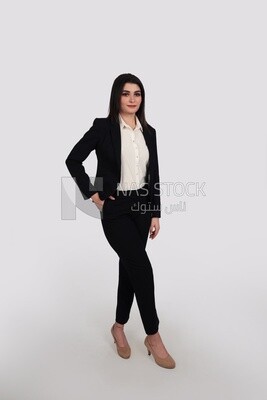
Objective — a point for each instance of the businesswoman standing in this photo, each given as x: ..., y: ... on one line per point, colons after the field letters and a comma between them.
x: 126, y: 192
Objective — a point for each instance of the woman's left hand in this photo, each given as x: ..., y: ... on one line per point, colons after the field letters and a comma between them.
x: 154, y: 228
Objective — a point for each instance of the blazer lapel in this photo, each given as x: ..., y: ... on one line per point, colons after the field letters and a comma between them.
x: 116, y: 140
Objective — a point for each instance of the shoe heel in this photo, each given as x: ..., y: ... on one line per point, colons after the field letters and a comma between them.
x: 167, y: 362
x: 148, y: 351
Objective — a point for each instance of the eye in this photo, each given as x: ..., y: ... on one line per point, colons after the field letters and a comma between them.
x: 138, y: 94
x: 125, y: 94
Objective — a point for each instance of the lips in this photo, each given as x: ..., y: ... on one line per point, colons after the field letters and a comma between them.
x: 131, y: 106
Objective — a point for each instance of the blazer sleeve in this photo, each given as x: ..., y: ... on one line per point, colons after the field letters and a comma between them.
x: 78, y: 154
x: 156, y: 187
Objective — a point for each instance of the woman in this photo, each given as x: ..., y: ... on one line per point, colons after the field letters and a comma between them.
x: 126, y: 192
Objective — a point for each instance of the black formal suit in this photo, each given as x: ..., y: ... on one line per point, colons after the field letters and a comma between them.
x: 105, y: 138
x: 125, y: 228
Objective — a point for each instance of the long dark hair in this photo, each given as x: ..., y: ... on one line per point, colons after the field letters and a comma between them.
x: 115, y: 98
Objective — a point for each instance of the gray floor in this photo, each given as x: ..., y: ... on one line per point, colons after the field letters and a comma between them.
x: 56, y: 318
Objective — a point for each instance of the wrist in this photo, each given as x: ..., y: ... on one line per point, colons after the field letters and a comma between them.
x: 95, y: 198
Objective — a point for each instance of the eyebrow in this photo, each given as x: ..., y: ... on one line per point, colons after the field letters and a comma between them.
x: 128, y: 91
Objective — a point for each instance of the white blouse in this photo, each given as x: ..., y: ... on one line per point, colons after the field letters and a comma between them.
x: 134, y: 156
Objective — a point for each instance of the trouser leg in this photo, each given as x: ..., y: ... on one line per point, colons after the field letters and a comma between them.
x: 124, y: 234
x: 125, y: 295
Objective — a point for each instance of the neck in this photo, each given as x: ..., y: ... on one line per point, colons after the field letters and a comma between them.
x: 129, y: 118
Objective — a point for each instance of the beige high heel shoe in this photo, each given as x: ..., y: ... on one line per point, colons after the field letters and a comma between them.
x: 166, y: 362
x: 123, y: 351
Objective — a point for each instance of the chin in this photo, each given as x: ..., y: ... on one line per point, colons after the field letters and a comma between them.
x: 130, y: 111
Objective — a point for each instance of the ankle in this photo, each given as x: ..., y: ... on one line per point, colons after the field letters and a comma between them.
x: 117, y: 325
x: 155, y: 338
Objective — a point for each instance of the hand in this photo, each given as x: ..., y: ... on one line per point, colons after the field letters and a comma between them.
x: 154, y: 227
x: 98, y: 202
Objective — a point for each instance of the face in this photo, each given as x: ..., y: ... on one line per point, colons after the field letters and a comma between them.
x: 131, y: 98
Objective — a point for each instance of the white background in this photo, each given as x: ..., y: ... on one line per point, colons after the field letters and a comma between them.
x: 203, y: 65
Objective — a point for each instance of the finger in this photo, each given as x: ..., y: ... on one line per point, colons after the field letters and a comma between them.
x: 152, y: 231
x: 154, y: 234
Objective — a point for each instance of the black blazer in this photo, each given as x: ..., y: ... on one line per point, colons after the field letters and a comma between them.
x: 105, y: 138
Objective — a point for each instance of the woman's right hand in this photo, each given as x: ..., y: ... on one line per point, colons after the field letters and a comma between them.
x: 98, y: 202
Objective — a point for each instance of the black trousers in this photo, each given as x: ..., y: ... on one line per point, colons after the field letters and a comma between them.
x: 126, y: 221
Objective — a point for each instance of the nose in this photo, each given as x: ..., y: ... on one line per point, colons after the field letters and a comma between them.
x: 132, y: 98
